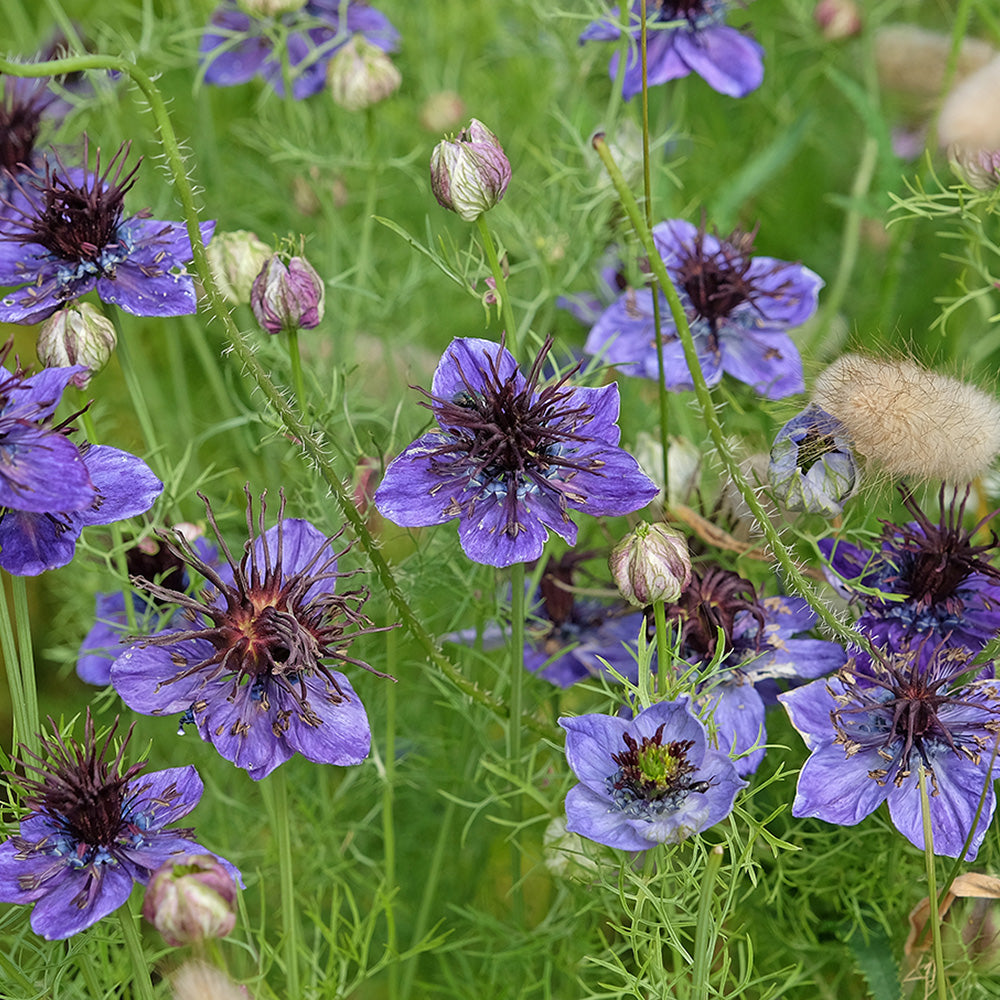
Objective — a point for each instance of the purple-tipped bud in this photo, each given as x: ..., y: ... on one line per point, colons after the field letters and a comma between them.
x: 287, y: 297
x: 651, y: 564
x: 812, y: 466
x: 80, y: 334
x: 236, y: 258
x: 837, y: 19
x: 979, y: 168
x: 361, y: 74
x: 191, y: 899
x: 470, y: 173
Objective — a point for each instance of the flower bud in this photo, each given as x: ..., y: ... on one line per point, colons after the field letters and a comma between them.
x: 651, y: 564
x: 190, y: 899
x: 470, y: 173
x: 361, y: 74
x: 287, y: 297
x: 837, y: 19
x: 812, y: 466
x: 80, y: 334
x: 979, y: 168
x: 442, y: 111
x: 236, y: 259
x: 271, y: 8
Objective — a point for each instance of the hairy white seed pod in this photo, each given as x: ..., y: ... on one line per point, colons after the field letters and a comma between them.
x: 911, y: 421
x: 913, y: 60
x: 970, y: 115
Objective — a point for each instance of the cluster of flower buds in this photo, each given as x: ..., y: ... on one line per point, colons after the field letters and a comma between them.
x: 470, y: 173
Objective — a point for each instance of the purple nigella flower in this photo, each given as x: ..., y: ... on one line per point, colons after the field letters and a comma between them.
x: 870, y: 728
x: 684, y: 36
x: 573, y: 639
x: 49, y: 488
x: 511, y: 457
x: 249, y: 671
x: 758, y: 647
x: 937, y: 583
x: 25, y: 106
x: 69, y: 237
x: 236, y: 46
x: 95, y: 828
x: 651, y: 780
x: 739, y: 308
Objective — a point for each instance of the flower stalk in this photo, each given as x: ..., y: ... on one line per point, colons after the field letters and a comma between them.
x: 778, y: 549
x: 133, y: 945
x: 935, y: 912
x: 15, y: 644
x: 506, y: 309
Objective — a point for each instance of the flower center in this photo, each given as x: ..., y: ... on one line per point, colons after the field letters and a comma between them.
x: 813, y: 446
x: 653, y: 774
x: 716, y: 281
x: 690, y: 10
x: 711, y: 602
x: 77, y: 222
x: 934, y: 560
x: 20, y: 123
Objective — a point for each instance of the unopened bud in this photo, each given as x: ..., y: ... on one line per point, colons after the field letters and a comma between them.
x: 470, y: 173
x: 287, y: 297
x: 651, y: 564
x: 236, y: 259
x: 837, y: 19
x: 812, y: 467
x: 271, y: 8
x: 189, y: 899
x: 361, y: 74
x: 442, y: 111
x: 979, y: 168
x: 78, y: 335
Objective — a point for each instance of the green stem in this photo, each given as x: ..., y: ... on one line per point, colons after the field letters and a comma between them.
x: 297, y: 380
x: 934, y: 914
x: 135, y: 390
x: 664, y: 667
x: 514, y: 725
x: 704, y: 934
x: 388, y: 824
x: 276, y: 798
x: 780, y: 552
x: 647, y: 187
x: 141, y: 980
x: 506, y: 307
x: 26, y: 660
x: 312, y: 447
x: 24, y: 708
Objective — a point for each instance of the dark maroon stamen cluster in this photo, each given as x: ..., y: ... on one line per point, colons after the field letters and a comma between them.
x: 263, y: 626
x: 509, y: 439
x: 935, y: 559
x: 668, y: 774
x: 78, y: 786
x: 907, y: 690
x: 674, y: 10
x: 74, y: 222
x: 712, y: 600
x: 20, y: 122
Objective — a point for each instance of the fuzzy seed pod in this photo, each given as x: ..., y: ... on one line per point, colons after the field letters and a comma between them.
x: 911, y: 421
x: 970, y: 115
x: 913, y: 61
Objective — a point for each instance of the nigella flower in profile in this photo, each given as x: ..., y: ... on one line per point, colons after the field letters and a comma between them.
x: 95, y: 828
x: 741, y: 645
x: 26, y: 106
x: 651, y: 780
x: 739, y: 307
x: 70, y: 236
x: 684, y: 36
x: 49, y: 488
x: 111, y: 634
x: 572, y: 638
x: 511, y: 457
x: 926, y: 580
x: 872, y: 726
x: 236, y: 45
x: 812, y: 467
x: 249, y: 671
